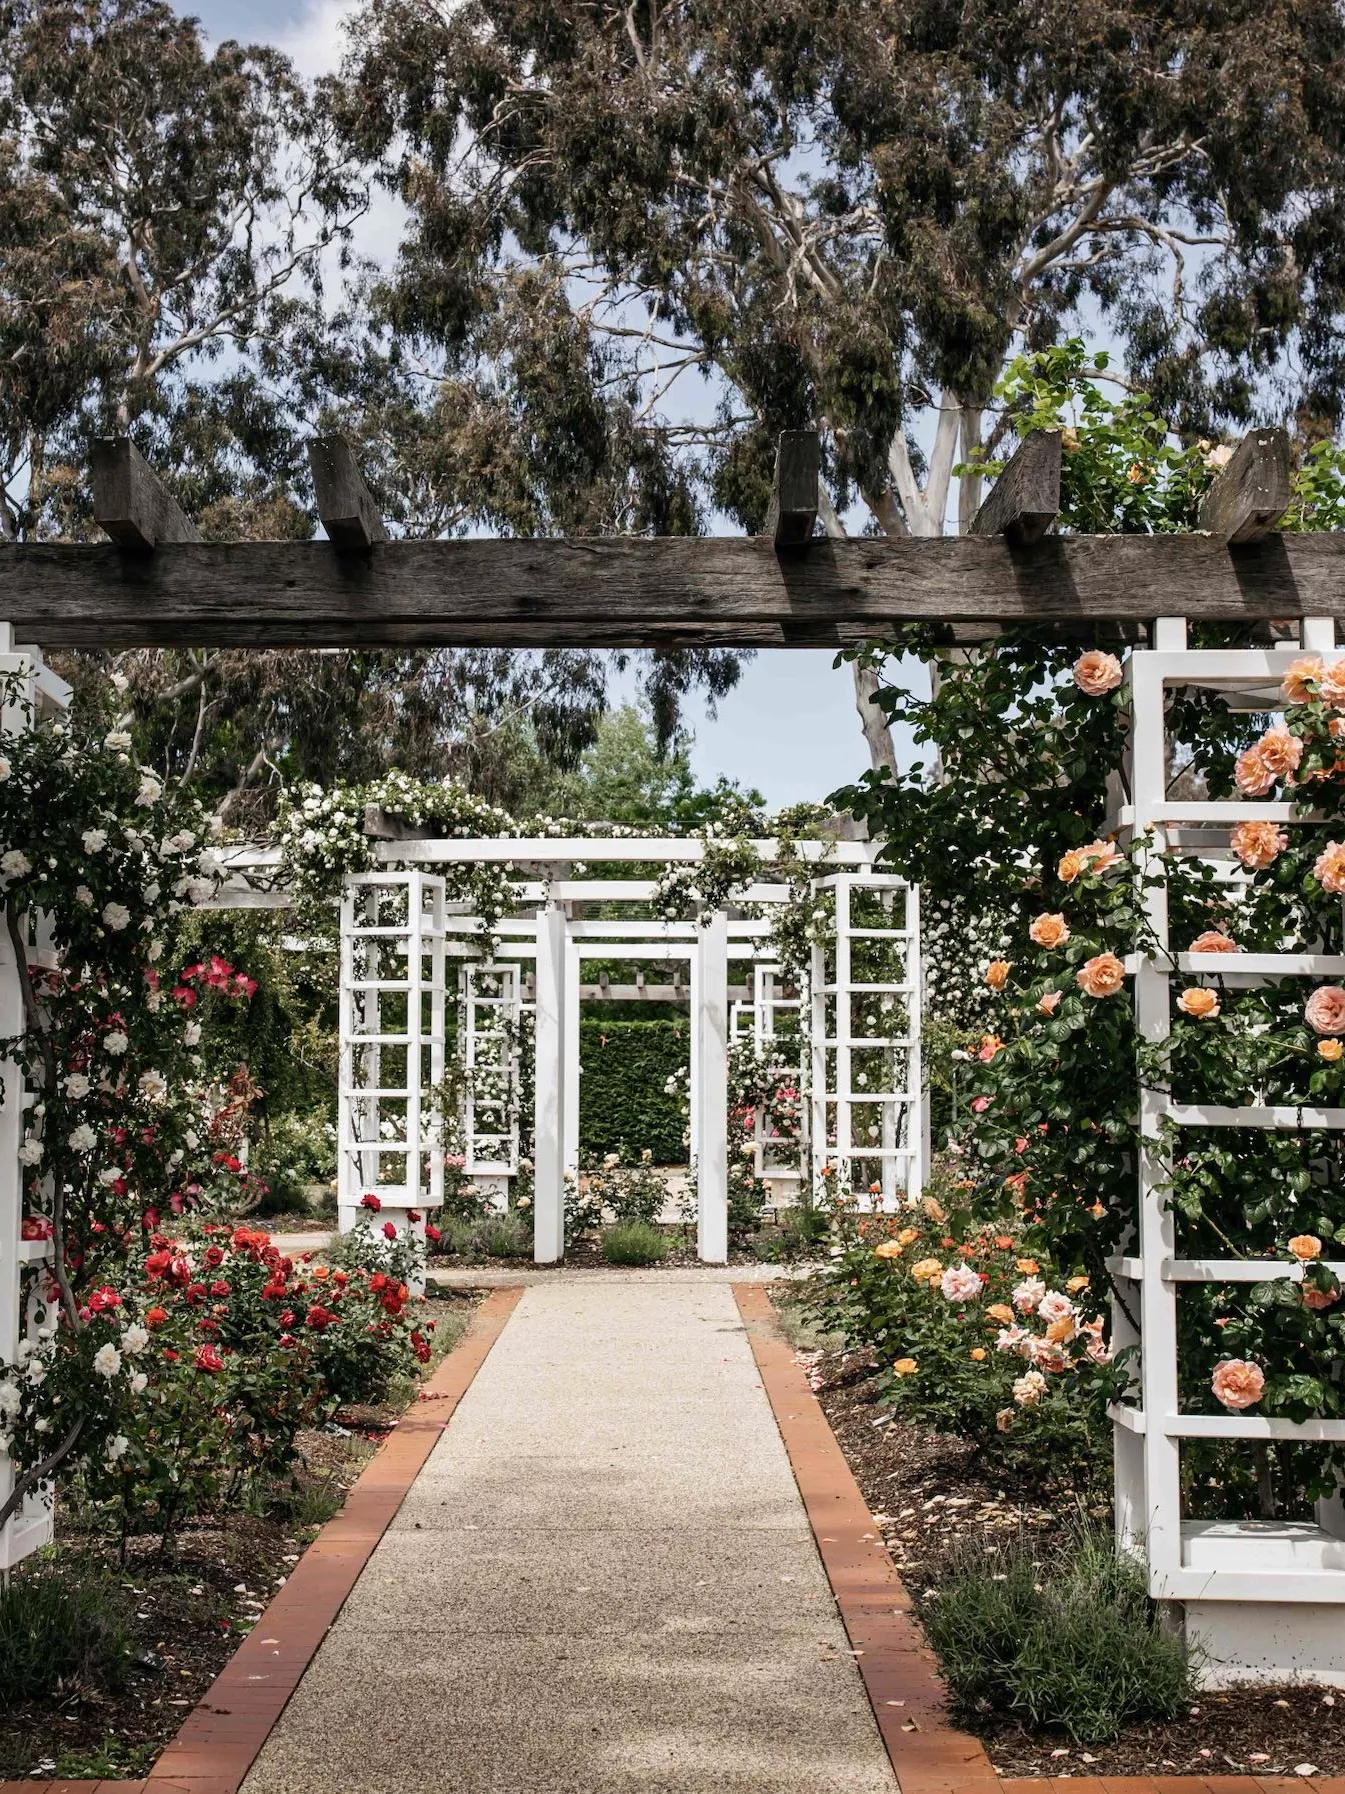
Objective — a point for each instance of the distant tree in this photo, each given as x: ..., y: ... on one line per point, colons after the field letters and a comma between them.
x: 850, y: 215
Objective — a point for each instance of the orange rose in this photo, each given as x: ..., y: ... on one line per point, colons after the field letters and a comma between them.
x: 1061, y: 1331
x: 1294, y: 688
x: 907, y: 1235
x: 1072, y: 865
x: 1237, y: 1383
x: 997, y: 974
x: 1280, y: 751
x: 1096, y: 673
x: 1305, y: 1246
x: 1075, y: 1284
x: 1198, y: 1002
x: 1330, y: 1050
x: 1214, y: 940
x: 905, y: 1367
x: 1000, y: 1311
x: 1049, y: 1002
x: 1049, y: 931
x: 1251, y: 775
x: 1102, y: 976
x: 1324, y: 1011
x: 1258, y: 844
x: 1329, y: 869
x: 934, y: 1210
x: 1028, y: 1266
x: 1004, y: 1242
x: 978, y: 1352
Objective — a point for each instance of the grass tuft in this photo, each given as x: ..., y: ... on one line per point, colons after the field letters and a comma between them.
x: 57, y: 1629
x: 1071, y: 1641
x: 633, y: 1243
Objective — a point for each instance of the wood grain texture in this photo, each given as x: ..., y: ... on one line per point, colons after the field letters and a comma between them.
x: 1252, y: 493
x: 798, y: 468
x: 130, y: 502
x: 625, y: 591
x: 345, y: 504
x: 1025, y: 500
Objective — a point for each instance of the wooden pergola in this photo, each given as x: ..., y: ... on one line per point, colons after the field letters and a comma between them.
x: 156, y: 584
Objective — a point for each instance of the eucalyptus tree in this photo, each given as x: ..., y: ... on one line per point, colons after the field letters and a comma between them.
x: 849, y: 216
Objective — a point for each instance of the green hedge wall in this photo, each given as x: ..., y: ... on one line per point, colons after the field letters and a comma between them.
x: 622, y: 1105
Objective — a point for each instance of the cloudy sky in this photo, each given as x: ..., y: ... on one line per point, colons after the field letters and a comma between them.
x: 790, y: 729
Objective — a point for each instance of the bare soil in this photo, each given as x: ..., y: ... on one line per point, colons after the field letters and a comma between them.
x: 928, y: 1492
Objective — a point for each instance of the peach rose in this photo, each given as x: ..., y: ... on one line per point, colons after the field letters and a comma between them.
x: 1302, y: 672
x: 997, y: 974
x: 1198, y: 1002
x: 888, y: 1249
x: 927, y: 1270
x: 1251, y: 775
x: 1237, y: 1383
x: 1102, y: 976
x: 990, y: 1045
x: 1000, y: 1311
x: 1330, y: 1050
x: 1280, y: 751
x: 1049, y: 931
x: 1258, y: 844
x: 1049, y: 1002
x: 978, y: 1352
x: 1072, y: 865
x: 1305, y: 1246
x: 1101, y: 855
x: 1332, y: 686
x: 1318, y: 1299
x: 1061, y: 1331
x: 1214, y: 940
x: 905, y: 1367
x: 1324, y: 1011
x: 1329, y: 868
x: 1096, y: 673
x: 908, y: 1236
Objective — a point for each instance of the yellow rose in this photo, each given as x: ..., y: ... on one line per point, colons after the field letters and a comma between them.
x: 1330, y: 1050
x: 905, y: 1367
x: 927, y: 1270
x: 978, y: 1352
x: 888, y: 1249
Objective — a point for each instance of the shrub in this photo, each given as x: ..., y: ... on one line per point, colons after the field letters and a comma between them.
x: 501, y: 1236
x: 1070, y: 1641
x: 54, y: 1628
x: 633, y: 1243
x: 624, y: 1105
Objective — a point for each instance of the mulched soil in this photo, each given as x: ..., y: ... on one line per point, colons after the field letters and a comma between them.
x: 586, y: 1254
x: 184, y: 1616
x: 927, y: 1492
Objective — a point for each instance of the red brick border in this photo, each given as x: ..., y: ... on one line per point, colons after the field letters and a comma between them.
x: 221, y: 1737
x: 928, y: 1755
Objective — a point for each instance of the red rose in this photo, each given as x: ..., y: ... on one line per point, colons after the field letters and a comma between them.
x: 432, y: 1232
x: 155, y: 1317
x: 371, y: 1202
x: 413, y: 1214
x: 214, y: 1255
x: 318, y: 1317
x: 389, y: 1230
x: 219, y: 1287
x: 170, y: 1354
x: 207, y: 1358
x: 103, y: 1299
x: 287, y: 1318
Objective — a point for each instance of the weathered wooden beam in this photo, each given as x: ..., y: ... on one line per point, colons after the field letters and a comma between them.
x: 130, y: 502
x: 1025, y: 500
x: 1251, y: 493
x: 624, y: 591
x: 345, y: 504
x: 798, y: 468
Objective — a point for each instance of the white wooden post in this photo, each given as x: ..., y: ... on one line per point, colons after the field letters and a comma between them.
x: 712, y: 1133
x: 549, y: 1085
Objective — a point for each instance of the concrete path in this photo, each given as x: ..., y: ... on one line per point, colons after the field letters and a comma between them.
x: 602, y: 1582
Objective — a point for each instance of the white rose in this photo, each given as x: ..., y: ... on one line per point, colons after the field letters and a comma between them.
x: 191, y: 1034
x: 82, y: 1139
x: 116, y: 916
x: 139, y: 1383
x: 107, y: 1361
x: 117, y: 740
x: 150, y: 789
x: 115, y: 1042
x: 116, y: 1448
x: 153, y: 1086
x: 94, y: 839
x: 30, y: 1153
x: 15, y: 864
x: 108, y: 1177
x: 76, y: 1085
x: 152, y: 892
x: 10, y: 1400
x: 119, y: 680
x: 154, y: 1001
x: 84, y: 895
x: 134, y: 1339
x: 37, y: 1372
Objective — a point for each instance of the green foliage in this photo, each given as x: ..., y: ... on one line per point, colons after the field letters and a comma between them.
x: 624, y: 1106
x: 633, y: 1243
x: 1069, y: 1641
x: 296, y: 1152
x: 59, y: 1628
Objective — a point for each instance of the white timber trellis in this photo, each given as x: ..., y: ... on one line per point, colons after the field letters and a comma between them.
x: 409, y: 959
x: 1264, y: 1600
x: 27, y: 1295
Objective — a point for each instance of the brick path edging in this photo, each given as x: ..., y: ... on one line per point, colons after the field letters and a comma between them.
x: 223, y: 1734
x: 901, y: 1676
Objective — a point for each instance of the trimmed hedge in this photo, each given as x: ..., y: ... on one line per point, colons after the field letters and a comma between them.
x: 622, y: 1104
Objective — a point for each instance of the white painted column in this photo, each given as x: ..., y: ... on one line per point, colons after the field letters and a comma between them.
x: 712, y: 1132
x: 549, y: 1086
x: 570, y: 1059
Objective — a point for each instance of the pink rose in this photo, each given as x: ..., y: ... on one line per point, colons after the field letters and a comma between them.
x: 960, y: 1283
x: 1324, y: 1011
x: 1096, y: 673
x: 1049, y: 1002
x: 1237, y: 1383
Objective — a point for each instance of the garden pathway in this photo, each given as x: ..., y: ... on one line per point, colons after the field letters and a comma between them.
x: 603, y: 1580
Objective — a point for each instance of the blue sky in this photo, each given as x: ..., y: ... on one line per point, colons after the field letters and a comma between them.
x: 790, y: 727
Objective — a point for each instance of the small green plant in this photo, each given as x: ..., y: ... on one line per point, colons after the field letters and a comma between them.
x: 501, y: 1236
x: 58, y: 1627
x: 633, y: 1243
x: 1070, y: 1641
